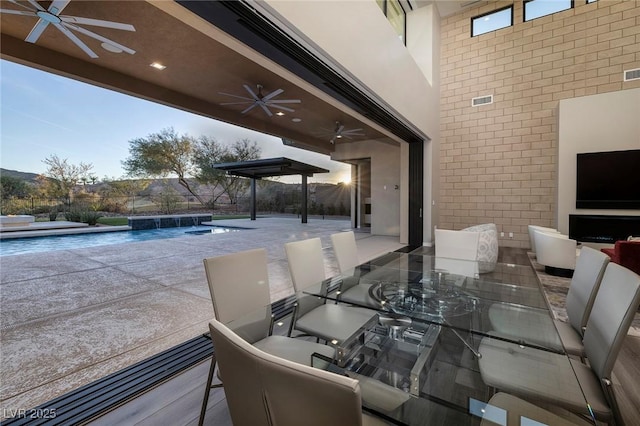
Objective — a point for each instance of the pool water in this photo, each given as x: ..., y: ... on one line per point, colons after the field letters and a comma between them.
x: 66, y: 242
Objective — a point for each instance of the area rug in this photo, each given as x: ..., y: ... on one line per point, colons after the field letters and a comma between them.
x: 556, y: 289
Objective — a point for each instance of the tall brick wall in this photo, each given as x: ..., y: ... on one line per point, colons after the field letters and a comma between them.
x: 499, y: 161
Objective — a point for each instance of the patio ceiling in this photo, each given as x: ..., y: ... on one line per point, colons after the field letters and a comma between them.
x: 201, y: 62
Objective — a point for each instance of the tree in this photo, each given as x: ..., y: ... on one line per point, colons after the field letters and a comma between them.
x: 242, y: 150
x: 61, y: 178
x: 162, y: 154
x: 13, y: 187
x: 127, y: 188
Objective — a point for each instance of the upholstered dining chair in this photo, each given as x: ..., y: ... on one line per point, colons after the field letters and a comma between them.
x: 264, y: 390
x: 351, y: 289
x: 332, y: 322
x: 239, y: 287
x: 590, y: 267
x: 545, y: 376
x: 508, y: 410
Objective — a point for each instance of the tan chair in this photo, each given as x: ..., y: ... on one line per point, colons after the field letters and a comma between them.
x: 346, y: 250
x: 507, y: 410
x: 336, y: 323
x: 239, y: 286
x: 524, y: 324
x: 544, y: 376
x: 263, y: 389
x: 351, y: 289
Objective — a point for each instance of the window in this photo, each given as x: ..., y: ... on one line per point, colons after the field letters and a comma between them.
x: 534, y: 9
x: 492, y: 21
x: 396, y: 16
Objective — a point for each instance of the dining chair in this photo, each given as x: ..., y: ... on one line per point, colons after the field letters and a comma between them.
x: 352, y: 290
x: 239, y: 287
x: 263, y: 389
x: 519, y: 322
x: 551, y: 377
x: 508, y: 410
x: 337, y: 323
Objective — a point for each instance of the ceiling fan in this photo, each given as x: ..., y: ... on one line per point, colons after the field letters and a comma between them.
x: 340, y: 132
x: 65, y: 24
x: 263, y: 101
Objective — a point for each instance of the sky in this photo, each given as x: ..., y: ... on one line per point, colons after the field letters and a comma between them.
x: 42, y: 114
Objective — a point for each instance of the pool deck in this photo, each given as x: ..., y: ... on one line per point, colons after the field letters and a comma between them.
x: 70, y: 317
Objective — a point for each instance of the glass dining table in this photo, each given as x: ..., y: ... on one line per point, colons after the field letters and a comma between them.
x: 418, y: 362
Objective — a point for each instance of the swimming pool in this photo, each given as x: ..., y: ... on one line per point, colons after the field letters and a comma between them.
x: 65, y: 242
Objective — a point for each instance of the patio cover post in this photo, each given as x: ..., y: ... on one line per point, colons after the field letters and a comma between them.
x: 304, y: 198
x: 253, y: 198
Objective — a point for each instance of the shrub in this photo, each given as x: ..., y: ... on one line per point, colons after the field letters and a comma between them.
x: 90, y: 217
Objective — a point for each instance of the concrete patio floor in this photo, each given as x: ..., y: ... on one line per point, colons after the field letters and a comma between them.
x: 70, y: 317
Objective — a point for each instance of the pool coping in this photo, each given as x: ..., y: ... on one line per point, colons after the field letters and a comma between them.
x: 44, y: 232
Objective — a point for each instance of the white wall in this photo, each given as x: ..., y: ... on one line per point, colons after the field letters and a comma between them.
x: 385, y: 175
x: 357, y: 37
x: 604, y: 122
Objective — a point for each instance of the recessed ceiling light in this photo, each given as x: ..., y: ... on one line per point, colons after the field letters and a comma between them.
x: 280, y: 113
x: 296, y: 120
x: 158, y: 66
x: 111, y: 48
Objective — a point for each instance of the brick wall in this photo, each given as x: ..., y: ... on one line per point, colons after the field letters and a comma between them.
x: 498, y: 161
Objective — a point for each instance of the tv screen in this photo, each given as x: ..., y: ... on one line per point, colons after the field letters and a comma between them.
x: 608, y: 180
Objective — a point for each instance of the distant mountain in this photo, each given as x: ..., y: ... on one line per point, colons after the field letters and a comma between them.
x: 29, y: 177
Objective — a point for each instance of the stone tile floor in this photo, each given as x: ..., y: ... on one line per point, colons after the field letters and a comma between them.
x: 70, y: 317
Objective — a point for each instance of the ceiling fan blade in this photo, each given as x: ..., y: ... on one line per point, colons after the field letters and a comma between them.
x: 237, y: 103
x: 35, y: 4
x: 272, y: 94
x: 236, y: 96
x: 253, y: 105
x: 17, y: 12
x: 76, y: 40
x: 58, y: 6
x: 21, y: 5
x: 266, y: 110
x: 97, y: 23
x: 36, y: 31
x: 98, y: 37
x: 251, y: 92
x: 283, y: 101
x: 282, y: 108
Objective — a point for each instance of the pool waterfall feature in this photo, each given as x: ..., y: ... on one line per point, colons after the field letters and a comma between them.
x: 167, y: 221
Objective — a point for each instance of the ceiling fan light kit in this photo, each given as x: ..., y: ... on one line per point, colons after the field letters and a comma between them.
x: 66, y: 24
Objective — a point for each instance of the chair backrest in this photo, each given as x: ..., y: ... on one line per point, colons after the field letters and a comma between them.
x: 585, y: 283
x: 263, y: 389
x: 532, y: 229
x: 613, y: 310
x: 239, y: 286
x: 555, y: 249
x: 457, y: 244
x: 345, y: 249
x: 306, y: 263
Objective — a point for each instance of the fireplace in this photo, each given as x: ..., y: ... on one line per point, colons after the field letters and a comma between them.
x: 602, y: 228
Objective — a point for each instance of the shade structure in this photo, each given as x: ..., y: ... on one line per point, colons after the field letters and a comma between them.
x: 271, y: 167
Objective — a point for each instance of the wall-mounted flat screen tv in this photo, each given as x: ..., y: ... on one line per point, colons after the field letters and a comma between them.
x: 608, y: 180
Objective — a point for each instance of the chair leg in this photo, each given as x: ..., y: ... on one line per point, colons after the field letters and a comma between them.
x: 205, y: 401
x: 613, y: 403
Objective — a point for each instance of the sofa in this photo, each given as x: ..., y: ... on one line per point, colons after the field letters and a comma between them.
x: 625, y: 253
